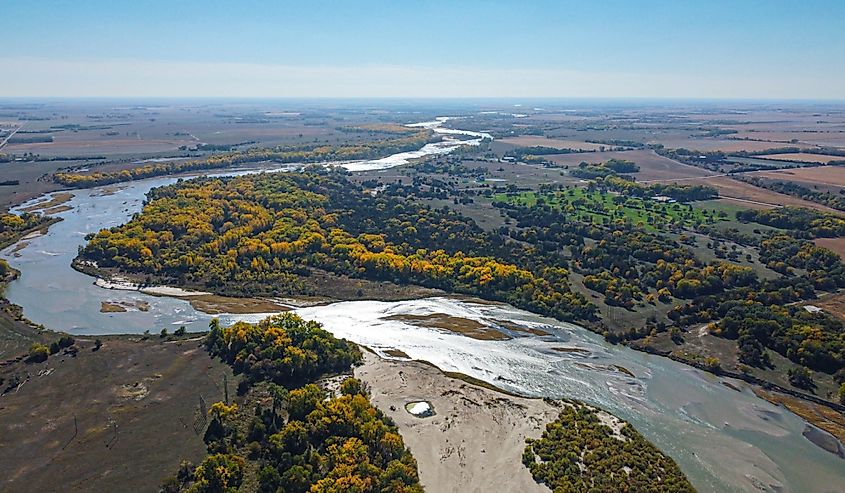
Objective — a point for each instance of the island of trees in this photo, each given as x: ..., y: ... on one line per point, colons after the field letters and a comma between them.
x: 588, y: 450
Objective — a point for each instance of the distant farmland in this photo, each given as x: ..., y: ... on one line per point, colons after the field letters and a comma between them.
x: 803, y: 157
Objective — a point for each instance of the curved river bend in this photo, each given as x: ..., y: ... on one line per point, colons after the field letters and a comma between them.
x: 723, y: 439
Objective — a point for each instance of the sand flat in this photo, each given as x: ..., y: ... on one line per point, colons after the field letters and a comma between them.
x: 474, y: 442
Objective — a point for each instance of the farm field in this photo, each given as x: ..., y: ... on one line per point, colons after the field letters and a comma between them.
x: 653, y: 167
x: 784, y: 138
x: 536, y: 140
x: 803, y: 157
x: 817, y: 175
x: 835, y: 244
x: 751, y: 196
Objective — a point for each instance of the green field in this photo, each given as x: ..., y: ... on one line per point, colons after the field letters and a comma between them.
x: 607, y: 207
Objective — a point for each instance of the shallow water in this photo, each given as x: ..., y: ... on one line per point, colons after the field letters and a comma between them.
x: 723, y: 439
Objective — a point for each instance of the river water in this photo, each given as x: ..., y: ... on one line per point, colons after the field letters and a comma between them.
x: 723, y: 439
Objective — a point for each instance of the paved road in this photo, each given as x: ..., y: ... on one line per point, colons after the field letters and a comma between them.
x: 3, y: 144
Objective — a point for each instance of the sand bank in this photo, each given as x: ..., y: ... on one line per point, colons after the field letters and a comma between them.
x: 475, y: 440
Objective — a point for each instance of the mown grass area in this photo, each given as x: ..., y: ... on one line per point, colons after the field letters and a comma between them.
x: 604, y: 207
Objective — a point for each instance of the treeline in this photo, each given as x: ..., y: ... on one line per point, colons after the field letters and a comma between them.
x: 295, y: 437
x: 30, y: 139
x: 579, y: 452
x: 803, y: 220
x: 618, y: 143
x: 263, y: 234
x: 300, y: 154
x: 530, y: 151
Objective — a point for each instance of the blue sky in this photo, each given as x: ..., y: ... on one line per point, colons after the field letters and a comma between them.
x: 706, y: 49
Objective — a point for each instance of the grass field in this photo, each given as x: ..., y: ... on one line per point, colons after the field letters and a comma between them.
x: 602, y: 206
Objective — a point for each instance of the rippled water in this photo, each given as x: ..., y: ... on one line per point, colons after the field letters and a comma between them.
x: 723, y: 439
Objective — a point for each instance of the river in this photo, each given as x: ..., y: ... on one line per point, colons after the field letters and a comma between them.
x: 723, y: 439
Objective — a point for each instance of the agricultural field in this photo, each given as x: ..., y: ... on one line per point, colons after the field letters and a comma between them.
x: 538, y: 141
x: 816, y: 175
x: 803, y: 157
x: 653, y: 167
x: 750, y: 196
x: 708, y: 144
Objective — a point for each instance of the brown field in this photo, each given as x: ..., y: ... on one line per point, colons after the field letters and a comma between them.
x: 652, y: 166
x: 803, y: 157
x: 835, y: 244
x: 821, y: 175
x: 750, y: 195
x: 536, y: 140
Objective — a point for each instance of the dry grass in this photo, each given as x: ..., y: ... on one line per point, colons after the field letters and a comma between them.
x: 134, y: 404
x: 833, y: 304
x: 786, y: 138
